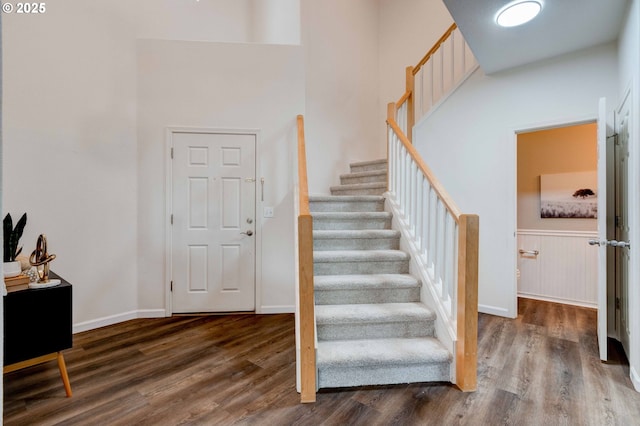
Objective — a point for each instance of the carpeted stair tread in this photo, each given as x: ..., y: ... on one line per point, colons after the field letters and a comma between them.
x: 371, y: 281
x: 326, y: 221
x: 359, y: 186
x: 368, y: 165
x: 381, y: 172
x: 375, y: 352
x: 366, y: 288
x: 356, y: 233
x: 358, y: 239
x: 340, y: 256
x: 346, y: 203
x: 373, y: 313
x: 346, y: 198
x: 369, y: 176
x: 351, y: 215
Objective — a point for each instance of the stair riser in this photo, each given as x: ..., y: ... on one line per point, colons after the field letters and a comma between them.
x: 356, y: 244
x: 367, y: 191
x: 367, y: 167
x: 386, y: 295
x: 405, y: 329
x: 323, y: 224
x: 350, y: 268
x: 348, y: 180
x: 335, y: 377
x: 346, y: 206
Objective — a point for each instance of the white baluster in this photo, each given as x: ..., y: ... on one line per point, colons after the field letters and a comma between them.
x: 419, y: 210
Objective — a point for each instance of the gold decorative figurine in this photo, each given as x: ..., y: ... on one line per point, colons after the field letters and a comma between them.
x: 40, y: 258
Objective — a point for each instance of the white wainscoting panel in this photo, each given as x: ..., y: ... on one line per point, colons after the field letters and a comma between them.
x: 564, y: 270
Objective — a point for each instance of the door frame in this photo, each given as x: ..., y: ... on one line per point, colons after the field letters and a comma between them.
x: 632, y: 90
x: 513, y: 132
x: 168, y: 191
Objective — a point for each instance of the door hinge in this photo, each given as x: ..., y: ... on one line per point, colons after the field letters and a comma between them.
x: 171, y: 219
x: 171, y: 153
x: 617, y: 303
x: 617, y: 221
x: 172, y: 286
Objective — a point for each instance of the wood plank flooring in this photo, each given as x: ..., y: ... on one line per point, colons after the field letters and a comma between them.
x: 539, y: 369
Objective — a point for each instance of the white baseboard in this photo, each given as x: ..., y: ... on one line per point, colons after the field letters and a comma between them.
x: 118, y: 318
x: 557, y: 300
x: 159, y: 313
x: 494, y: 310
x: 277, y: 309
x: 635, y: 378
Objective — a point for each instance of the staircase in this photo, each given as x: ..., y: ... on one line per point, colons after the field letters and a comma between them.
x: 371, y: 327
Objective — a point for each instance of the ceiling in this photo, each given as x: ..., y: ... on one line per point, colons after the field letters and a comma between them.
x: 562, y: 26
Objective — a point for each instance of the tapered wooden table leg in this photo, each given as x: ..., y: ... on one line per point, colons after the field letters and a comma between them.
x: 63, y: 373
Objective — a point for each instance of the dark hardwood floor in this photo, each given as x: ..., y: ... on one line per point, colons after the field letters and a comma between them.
x: 540, y: 369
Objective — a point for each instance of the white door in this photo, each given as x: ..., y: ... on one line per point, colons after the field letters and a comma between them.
x: 622, y: 251
x: 602, y: 229
x: 213, y: 208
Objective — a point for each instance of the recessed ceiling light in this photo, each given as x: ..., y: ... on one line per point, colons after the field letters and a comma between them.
x: 518, y: 13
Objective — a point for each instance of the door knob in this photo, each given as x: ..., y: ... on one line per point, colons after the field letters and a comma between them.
x: 249, y: 232
x: 614, y: 243
x: 611, y: 243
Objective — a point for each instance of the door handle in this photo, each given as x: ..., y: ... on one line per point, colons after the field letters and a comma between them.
x: 248, y: 233
x: 612, y: 243
x: 533, y: 252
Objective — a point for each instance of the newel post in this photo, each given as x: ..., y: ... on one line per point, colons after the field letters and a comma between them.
x: 467, y: 320
x: 410, y: 84
x: 307, y: 311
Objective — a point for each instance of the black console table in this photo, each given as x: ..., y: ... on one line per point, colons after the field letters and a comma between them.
x: 37, y: 327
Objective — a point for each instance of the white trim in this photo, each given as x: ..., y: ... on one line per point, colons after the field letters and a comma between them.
x: 278, y: 309
x: 635, y: 378
x: 117, y: 318
x: 557, y: 300
x: 554, y: 233
x: 170, y: 130
x: 494, y: 310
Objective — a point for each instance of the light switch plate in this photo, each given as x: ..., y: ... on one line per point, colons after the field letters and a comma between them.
x: 267, y: 212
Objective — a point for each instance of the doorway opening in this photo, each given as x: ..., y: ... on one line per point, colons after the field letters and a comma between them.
x: 557, y: 194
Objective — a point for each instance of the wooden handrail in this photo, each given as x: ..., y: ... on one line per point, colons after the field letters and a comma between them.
x: 305, y: 275
x: 302, y: 169
x: 435, y: 48
x: 435, y: 183
x: 403, y: 99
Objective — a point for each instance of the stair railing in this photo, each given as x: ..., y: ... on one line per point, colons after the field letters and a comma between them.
x: 307, y: 327
x: 445, y: 239
x: 445, y: 66
x: 446, y: 242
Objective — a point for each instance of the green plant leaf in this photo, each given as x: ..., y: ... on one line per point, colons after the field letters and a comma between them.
x: 7, y: 225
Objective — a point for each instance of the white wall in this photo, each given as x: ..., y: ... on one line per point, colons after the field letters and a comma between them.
x: 408, y: 29
x: 629, y: 66
x: 470, y: 144
x: 224, y: 86
x: 275, y: 21
x: 70, y: 160
x: 70, y: 146
x: 340, y: 39
x: 204, y: 20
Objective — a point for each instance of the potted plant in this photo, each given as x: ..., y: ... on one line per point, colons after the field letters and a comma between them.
x: 11, y: 250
